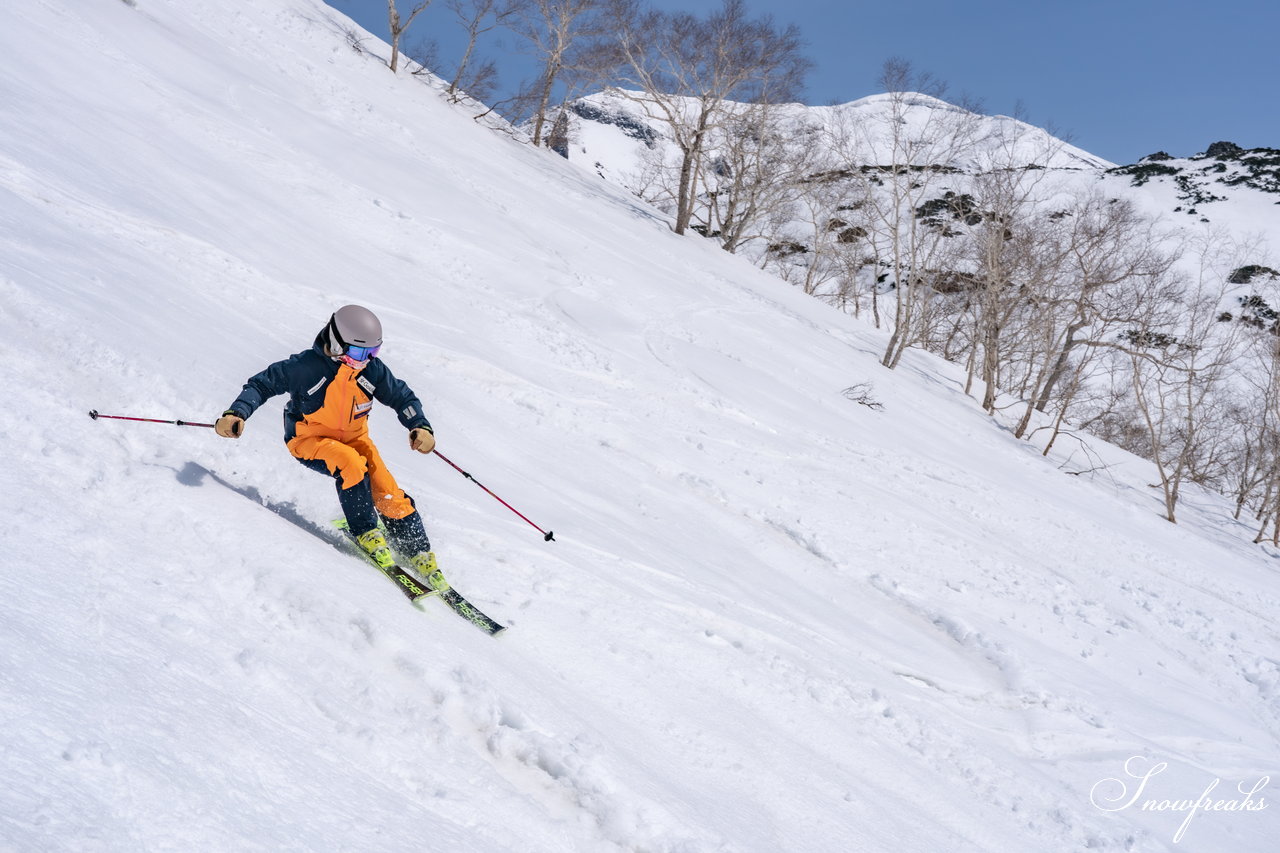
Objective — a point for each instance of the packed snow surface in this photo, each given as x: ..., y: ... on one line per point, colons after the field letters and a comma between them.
x: 772, y: 619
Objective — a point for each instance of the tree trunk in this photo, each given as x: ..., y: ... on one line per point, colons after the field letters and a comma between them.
x: 1059, y: 367
x: 688, y: 189
x: 548, y: 82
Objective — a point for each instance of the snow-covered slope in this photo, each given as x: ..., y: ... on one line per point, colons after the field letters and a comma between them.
x: 773, y: 619
x: 1232, y: 188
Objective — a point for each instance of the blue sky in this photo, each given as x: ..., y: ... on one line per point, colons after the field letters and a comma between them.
x: 1121, y: 79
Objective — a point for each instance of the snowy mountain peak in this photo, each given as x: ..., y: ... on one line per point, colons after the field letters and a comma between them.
x: 863, y: 130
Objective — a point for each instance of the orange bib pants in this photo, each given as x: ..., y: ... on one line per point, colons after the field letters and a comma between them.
x: 337, y: 435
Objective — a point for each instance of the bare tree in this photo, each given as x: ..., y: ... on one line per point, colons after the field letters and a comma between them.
x: 1253, y: 413
x: 904, y: 153
x: 824, y: 209
x: 398, y: 25
x: 753, y: 177
x: 1110, y: 252
x: 1259, y: 469
x: 1177, y: 375
x: 693, y: 74
x: 477, y: 17
x: 1252, y: 436
x: 1001, y: 224
x: 1102, y: 272
x: 555, y: 29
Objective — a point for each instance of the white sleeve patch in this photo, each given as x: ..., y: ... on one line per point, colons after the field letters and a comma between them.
x: 409, y: 412
x: 314, y: 388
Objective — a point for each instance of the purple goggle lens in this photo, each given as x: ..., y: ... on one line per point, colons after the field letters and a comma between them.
x: 361, y: 353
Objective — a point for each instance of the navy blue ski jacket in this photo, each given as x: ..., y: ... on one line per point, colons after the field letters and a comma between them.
x: 328, y: 397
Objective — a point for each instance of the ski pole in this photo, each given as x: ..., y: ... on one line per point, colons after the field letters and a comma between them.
x: 94, y: 414
x: 547, y: 535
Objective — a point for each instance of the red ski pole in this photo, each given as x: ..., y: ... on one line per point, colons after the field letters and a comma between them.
x: 547, y: 535
x: 94, y: 414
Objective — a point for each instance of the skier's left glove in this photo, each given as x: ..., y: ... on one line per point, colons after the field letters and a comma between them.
x: 421, y: 440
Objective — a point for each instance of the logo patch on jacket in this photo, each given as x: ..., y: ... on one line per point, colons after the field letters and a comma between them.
x: 366, y: 385
x: 360, y: 410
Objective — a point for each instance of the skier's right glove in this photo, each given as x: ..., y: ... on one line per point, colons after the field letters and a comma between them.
x: 230, y: 425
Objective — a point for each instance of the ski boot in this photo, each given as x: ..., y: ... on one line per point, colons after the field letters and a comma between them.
x: 424, y: 563
x: 374, y: 543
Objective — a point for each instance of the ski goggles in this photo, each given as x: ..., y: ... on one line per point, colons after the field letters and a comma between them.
x: 356, y: 353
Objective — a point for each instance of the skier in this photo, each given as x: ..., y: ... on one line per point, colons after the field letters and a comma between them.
x: 331, y: 390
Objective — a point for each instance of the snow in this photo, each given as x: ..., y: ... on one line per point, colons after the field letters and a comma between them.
x: 773, y: 619
x: 605, y: 147
x: 1201, y: 199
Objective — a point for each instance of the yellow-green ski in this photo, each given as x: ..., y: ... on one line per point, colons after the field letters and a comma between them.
x: 434, y: 584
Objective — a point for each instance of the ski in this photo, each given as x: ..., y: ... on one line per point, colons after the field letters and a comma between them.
x: 413, y: 588
x: 470, y: 612
x: 416, y: 590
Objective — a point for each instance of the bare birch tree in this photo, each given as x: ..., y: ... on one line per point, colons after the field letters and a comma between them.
x: 1002, y: 223
x: 1102, y: 272
x: 1177, y: 376
x: 691, y: 73
x: 905, y: 155
x: 554, y: 29
x: 398, y: 25
x: 477, y: 17
x: 1253, y: 426
x: 753, y: 179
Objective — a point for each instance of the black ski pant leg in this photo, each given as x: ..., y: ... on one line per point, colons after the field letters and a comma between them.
x: 408, y: 535
x: 356, y: 502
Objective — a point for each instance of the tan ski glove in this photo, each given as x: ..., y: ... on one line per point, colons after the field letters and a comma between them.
x: 230, y: 425
x: 421, y: 440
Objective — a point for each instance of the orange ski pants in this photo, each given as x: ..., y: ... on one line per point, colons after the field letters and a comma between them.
x: 352, y: 460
